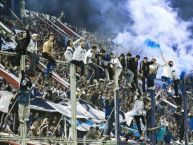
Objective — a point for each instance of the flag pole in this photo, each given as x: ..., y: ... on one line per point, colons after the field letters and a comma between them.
x: 55, y: 25
x: 185, y: 98
x: 16, y: 17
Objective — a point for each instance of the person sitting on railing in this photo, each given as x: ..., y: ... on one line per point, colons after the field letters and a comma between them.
x: 152, y: 72
x: 167, y: 73
x: 48, y: 53
x: 100, y: 72
x: 78, y: 57
x: 132, y: 64
x: 117, y: 67
x: 32, y: 51
x: 105, y: 58
x: 90, y: 60
x: 144, y: 70
x: 69, y: 51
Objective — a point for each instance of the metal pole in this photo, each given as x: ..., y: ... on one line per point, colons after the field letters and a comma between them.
x: 73, y: 103
x: 117, y: 131
x: 153, y: 117
x: 185, y: 97
x: 116, y: 102
x: 23, y: 125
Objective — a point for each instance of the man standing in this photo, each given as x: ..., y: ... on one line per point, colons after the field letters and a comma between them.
x: 21, y: 48
x: 132, y: 64
x: 167, y: 74
x: 138, y: 110
x: 48, y: 53
x: 32, y: 51
x: 24, y: 98
x: 130, y: 74
x: 144, y: 70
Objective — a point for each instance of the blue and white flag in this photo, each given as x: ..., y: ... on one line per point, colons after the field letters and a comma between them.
x: 152, y: 44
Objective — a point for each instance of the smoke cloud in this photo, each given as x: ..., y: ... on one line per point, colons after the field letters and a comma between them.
x: 157, y: 20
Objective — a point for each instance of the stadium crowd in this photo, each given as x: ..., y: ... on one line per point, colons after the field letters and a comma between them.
x: 97, y: 65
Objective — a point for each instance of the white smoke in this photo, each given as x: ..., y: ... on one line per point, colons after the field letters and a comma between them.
x: 155, y: 19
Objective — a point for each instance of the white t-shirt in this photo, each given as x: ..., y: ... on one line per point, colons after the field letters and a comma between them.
x: 167, y: 71
x: 79, y: 54
x: 116, y: 62
x: 138, y: 107
x: 32, y: 47
x: 68, y: 54
x: 154, y: 67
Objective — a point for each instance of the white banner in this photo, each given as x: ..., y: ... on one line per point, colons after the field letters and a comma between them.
x: 5, y: 99
x: 28, y: 13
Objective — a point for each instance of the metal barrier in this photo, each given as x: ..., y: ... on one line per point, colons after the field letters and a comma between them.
x: 57, y: 140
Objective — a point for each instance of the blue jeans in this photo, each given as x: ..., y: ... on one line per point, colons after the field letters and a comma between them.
x: 150, y: 80
x: 51, y: 63
x: 49, y: 69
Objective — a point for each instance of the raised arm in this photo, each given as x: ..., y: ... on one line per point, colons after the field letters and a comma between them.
x: 163, y: 57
